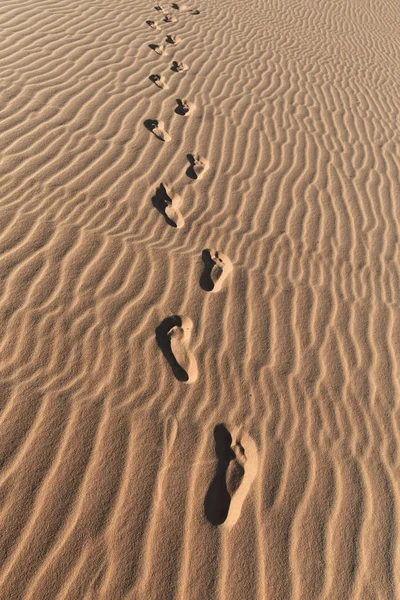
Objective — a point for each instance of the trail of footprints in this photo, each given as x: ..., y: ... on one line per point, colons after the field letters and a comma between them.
x: 236, y: 452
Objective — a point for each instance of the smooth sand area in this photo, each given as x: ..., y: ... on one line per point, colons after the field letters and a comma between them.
x: 199, y: 300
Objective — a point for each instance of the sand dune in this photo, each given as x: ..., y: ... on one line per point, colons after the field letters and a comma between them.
x: 273, y: 475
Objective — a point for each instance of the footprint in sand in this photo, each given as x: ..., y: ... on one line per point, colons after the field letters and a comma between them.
x: 184, y: 108
x: 168, y: 203
x: 178, y: 67
x: 173, y: 39
x: 159, y: 81
x: 173, y: 337
x: 177, y: 6
x: 157, y: 127
x: 195, y: 12
x: 236, y: 470
x: 170, y: 19
x: 152, y: 24
x: 198, y: 166
x: 161, y: 49
x: 158, y: 8
x: 217, y: 267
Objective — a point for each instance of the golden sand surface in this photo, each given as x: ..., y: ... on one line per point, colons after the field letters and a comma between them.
x: 200, y: 300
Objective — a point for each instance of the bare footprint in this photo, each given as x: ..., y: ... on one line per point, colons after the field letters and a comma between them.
x: 173, y: 337
x: 173, y: 39
x: 152, y: 24
x: 198, y: 166
x: 170, y: 19
x: 240, y: 474
x: 157, y: 127
x: 184, y: 108
x: 236, y: 470
x: 177, y: 6
x: 217, y: 267
x: 159, y: 81
x: 178, y: 67
x: 168, y: 203
x: 160, y: 49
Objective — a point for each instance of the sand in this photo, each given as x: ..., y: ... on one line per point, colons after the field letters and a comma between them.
x: 200, y: 390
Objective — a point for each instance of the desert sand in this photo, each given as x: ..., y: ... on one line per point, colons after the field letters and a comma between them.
x: 200, y: 300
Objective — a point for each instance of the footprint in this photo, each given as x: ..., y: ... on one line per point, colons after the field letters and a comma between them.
x: 173, y: 337
x: 159, y: 49
x: 240, y: 474
x: 159, y: 8
x: 168, y: 202
x: 178, y: 67
x: 217, y: 267
x: 170, y: 19
x: 152, y: 24
x: 184, y: 108
x: 198, y: 166
x: 236, y: 470
x: 159, y: 81
x: 173, y: 39
x: 177, y: 6
x: 157, y: 127
x: 195, y: 12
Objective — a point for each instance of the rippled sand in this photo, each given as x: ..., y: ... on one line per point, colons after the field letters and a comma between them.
x: 200, y: 300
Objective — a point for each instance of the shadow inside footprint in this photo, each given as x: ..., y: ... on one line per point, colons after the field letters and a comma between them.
x: 190, y: 170
x: 164, y: 344
x: 157, y: 49
x: 206, y: 282
x: 158, y: 129
x: 218, y: 499
x: 176, y: 66
x: 171, y: 39
x: 182, y: 108
x: 150, y: 124
x: 158, y: 80
x: 160, y: 201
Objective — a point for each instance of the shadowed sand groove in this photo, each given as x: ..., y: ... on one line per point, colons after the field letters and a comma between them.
x: 106, y: 458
